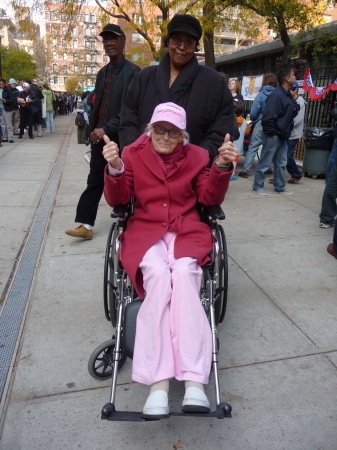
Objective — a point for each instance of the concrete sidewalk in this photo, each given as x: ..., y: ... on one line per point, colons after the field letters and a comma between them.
x: 278, y: 352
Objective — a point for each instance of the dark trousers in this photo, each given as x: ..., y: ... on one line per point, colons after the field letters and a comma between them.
x: 329, y: 208
x: 88, y: 204
x: 291, y: 163
x: 26, y: 119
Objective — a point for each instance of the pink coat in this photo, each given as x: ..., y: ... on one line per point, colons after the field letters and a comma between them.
x: 165, y: 203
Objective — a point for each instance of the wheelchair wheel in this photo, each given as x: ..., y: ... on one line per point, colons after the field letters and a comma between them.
x: 108, y: 282
x: 100, y: 364
x: 221, y: 288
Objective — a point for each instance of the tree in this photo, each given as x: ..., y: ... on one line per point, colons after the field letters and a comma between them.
x: 17, y: 64
x: 71, y: 84
x: 285, y: 17
x: 41, y: 58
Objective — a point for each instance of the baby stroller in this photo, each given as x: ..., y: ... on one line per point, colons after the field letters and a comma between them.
x: 121, y: 307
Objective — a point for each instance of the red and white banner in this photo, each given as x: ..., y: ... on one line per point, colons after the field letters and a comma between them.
x: 316, y: 92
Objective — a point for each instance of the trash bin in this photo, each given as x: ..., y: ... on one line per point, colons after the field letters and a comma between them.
x: 317, y: 147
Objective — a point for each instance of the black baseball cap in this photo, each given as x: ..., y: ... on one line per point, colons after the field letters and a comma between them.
x: 112, y: 28
x: 185, y: 23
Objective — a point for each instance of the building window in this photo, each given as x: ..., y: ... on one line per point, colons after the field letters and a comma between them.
x: 87, y: 44
x: 105, y: 58
x: 54, y: 54
x: 88, y: 69
x: 63, y: 29
x: 138, y: 18
x: 86, y: 17
x: 75, y: 68
x: 92, y: 18
x: 93, y: 31
x: 93, y: 58
x: 65, y: 79
x: 74, y: 31
x: 137, y: 38
x: 56, y: 80
x: 52, y: 15
x: 54, y: 42
x: 53, y: 28
x: 75, y: 43
x: 55, y: 68
x: 159, y: 20
x: 87, y: 31
x: 63, y: 42
x: 65, y: 56
x: 88, y: 57
x: 138, y: 2
x: 65, y: 68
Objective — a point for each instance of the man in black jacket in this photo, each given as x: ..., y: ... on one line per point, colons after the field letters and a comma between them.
x: 111, y: 83
x: 277, y: 123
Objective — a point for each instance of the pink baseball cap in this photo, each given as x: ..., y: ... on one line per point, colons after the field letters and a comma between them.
x: 170, y: 112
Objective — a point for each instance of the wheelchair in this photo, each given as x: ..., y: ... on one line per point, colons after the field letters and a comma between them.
x: 121, y: 306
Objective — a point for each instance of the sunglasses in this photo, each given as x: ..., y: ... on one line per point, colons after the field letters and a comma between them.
x: 162, y: 130
x: 178, y: 43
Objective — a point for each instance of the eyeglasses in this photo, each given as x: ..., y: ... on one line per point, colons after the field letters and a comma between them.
x: 189, y: 45
x: 162, y: 130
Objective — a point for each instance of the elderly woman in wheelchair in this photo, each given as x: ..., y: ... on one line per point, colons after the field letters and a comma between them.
x: 162, y: 249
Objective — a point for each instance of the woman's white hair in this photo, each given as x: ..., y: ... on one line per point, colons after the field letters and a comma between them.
x: 149, y: 128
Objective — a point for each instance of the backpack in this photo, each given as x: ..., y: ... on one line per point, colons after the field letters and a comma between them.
x: 79, y: 120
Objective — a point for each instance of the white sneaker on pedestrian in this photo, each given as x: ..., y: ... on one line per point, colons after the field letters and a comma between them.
x: 326, y: 225
x: 260, y: 191
x: 285, y: 192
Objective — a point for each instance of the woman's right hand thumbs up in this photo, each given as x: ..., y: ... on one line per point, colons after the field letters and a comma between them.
x: 111, y: 153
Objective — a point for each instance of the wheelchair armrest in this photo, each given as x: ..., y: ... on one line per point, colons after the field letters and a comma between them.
x: 215, y: 212
x: 119, y: 211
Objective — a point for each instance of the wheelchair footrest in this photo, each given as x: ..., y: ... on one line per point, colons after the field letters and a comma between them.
x: 224, y: 410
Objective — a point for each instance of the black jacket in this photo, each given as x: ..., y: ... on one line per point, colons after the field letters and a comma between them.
x: 121, y: 80
x: 333, y: 114
x: 8, y: 96
x: 279, y: 113
x: 200, y: 90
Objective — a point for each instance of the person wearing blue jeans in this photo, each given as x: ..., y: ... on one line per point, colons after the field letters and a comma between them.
x: 277, y: 124
x: 269, y: 83
x: 329, y: 207
x: 331, y: 159
x: 274, y: 151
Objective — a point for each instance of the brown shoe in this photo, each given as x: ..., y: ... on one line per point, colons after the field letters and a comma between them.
x: 80, y: 232
x: 331, y: 250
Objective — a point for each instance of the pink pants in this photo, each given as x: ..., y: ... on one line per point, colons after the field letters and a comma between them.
x: 173, y: 336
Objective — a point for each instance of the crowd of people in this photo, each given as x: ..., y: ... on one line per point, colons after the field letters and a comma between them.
x: 29, y: 107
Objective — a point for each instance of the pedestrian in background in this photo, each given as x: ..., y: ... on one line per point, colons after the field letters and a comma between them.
x: 244, y: 129
x: 81, y: 121
x: 235, y: 88
x: 7, y: 105
x: 16, y: 113
x: 269, y: 83
x: 28, y: 107
x: 277, y: 123
x: 296, y: 134
x: 50, y: 99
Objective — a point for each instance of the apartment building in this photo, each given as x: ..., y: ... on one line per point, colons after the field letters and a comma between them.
x: 73, y: 45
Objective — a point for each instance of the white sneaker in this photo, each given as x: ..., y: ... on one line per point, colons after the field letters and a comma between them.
x: 326, y: 225
x: 156, y: 406
x: 260, y: 191
x: 195, y: 401
x: 285, y: 192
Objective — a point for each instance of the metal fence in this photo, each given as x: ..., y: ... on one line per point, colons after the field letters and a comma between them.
x: 317, y: 112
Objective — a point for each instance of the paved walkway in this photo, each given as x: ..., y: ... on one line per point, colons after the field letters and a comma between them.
x: 278, y: 358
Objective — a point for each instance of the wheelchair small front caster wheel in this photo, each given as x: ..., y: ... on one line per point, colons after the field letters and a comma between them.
x: 100, y: 364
